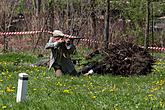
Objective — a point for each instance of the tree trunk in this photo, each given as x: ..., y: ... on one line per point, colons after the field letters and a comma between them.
x: 106, y: 30
x: 5, y: 40
x: 37, y: 7
x: 146, y: 41
x: 93, y: 19
x: 51, y: 17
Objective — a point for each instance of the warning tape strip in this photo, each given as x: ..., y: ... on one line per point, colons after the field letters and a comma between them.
x: 69, y: 36
x: 157, y: 48
x: 20, y: 33
x: 32, y: 32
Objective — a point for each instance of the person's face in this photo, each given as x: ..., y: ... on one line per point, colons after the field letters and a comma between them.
x: 57, y: 38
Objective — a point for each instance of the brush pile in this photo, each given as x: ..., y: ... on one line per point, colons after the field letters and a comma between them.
x: 128, y: 59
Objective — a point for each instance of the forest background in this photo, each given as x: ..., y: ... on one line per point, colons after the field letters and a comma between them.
x: 138, y: 21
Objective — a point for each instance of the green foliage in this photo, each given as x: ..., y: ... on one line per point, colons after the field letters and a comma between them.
x: 20, y: 6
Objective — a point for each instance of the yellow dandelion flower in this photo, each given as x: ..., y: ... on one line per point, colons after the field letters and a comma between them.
x: 10, y: 76
x: 103, y: 90
x: 93, y: 97
x: 115, y: 108
x: 4, y: 107
x: 34, y: 89
x: 9, y: 89
x: 155, y: 89
x: 3, y: 73
x: 161, y: 82
x: 111, y: 90
x: 58, y: 83
x: 91, y: 92
x: 1, y: 91
x: 66, y: 91
x: 145, y: 98
x: 161, y: 104
x: 150, y: 95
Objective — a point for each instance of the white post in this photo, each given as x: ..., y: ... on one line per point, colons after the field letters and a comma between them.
x: 22, y: 87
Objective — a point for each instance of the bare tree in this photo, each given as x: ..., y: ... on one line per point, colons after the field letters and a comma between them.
x: 51, y: 15
x: 37, y: 4
x: 146, y: 40
x: 106, y: 30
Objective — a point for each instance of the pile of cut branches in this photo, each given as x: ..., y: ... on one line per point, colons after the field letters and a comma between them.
x: 128, y: 59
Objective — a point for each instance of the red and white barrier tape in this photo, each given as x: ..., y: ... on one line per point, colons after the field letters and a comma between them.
x: 157, y: 48
x: 69, y: 36
x: 31, y: 32
x: 90, y: 40
x: 20, y: 33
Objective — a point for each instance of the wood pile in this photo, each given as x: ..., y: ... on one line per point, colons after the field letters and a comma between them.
x: 128, y: 59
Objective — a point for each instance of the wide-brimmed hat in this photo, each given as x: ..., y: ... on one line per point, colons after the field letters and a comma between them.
x: 57, y: 33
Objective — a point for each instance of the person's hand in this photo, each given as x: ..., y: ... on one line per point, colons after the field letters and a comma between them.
x: 67, y: 40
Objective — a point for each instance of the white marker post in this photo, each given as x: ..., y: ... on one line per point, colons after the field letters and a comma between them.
x: 22, y: 87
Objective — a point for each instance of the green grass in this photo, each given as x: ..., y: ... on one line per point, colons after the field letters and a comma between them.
x: 20, y: 57
x: 97, y: 92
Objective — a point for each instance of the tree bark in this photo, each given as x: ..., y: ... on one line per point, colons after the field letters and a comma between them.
x: 51, y: 17
x: 146, y: 40
x: 37, y: 6
x: 106, y: 29
x: 93, y: 19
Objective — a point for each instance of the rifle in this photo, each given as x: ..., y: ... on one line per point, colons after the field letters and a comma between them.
x: 53, y: 41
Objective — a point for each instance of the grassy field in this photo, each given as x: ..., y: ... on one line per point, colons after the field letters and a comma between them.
x: 97, y: 92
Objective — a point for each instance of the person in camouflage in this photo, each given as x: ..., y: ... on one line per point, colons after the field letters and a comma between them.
x: 61, y: 48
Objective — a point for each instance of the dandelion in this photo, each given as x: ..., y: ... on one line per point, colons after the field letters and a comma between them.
x: 115, y: 108
x: 3, y: 73
x: 66, y: 91
x: 9, y: 89
x: 9, y: 76
x: 1, y: 91
x: 152, y: 97
x: 145, y: 98
x: 91, y: 92
x: 93, y: 97
x: 103, y: 90
x: 58, y: 84
x: 111, y: 90
x: 4, y: 107
x: 155, y: 89
x: 161, y: 82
